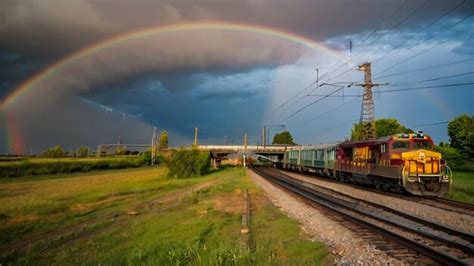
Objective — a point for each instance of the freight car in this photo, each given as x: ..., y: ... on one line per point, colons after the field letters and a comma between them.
x: 398, y: 163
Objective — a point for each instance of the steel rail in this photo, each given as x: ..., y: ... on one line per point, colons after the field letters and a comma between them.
x: 336, y: 206
x: 462, y: 234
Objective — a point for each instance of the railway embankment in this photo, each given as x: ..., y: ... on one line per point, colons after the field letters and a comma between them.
x: 460, y: 219
x: 349, y: 246
x: 401, y: 235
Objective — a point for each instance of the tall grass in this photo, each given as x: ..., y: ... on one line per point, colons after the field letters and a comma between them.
x: 68, y: 165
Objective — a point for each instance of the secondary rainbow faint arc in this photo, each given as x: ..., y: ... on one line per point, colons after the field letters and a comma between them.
x: 90, y: 50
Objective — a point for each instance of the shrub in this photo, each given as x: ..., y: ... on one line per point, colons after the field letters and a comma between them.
x: 188, y: 163
x: 146, y: 158
x: 453, y: 157
x: 54, y: 152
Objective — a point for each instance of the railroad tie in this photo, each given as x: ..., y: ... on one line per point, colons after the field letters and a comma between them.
x: 245, y: 214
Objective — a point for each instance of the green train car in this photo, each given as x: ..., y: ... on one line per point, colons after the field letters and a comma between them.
x: 312, y: 158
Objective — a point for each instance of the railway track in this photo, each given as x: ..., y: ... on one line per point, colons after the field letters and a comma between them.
x: 435, y: 241
x: 441, y: 203
x: 446, y: 204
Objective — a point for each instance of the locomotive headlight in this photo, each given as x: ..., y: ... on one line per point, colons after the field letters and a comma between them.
x: 422, y: 156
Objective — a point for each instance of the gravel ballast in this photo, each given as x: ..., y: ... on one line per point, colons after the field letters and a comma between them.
x: 349, y: 248
x: 455, y: 220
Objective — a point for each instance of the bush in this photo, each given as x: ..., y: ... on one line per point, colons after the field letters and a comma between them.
x: 188, y: 163
x: 54, y: 152
x: 455, y: 159
x: 146, y: 158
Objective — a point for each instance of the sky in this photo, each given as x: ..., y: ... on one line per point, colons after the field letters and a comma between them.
x: 82, y: 73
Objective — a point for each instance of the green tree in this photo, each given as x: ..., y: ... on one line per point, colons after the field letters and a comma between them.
x: 82, y: 151
x: 54, y: 152
x: 461, y: 134
x: 120, y: 150
x: 454, y: 158
x: 284, y: 137
x: 383, y: 127
x: 163, y: 140
x: 188, y: 163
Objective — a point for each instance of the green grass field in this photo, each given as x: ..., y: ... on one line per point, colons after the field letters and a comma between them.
x: 138, y: 216
x: 462, y: 188
x: 45, y: 166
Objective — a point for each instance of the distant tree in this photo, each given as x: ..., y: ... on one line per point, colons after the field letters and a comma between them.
x: 461, y: 134
x: 120, y: 150
x: 103, y: 150
x: 54, y: 152
x: 284, y: 137
x: 186, y: 163
x: 383, y: 127
x: 82, y: 151
x: 454, y: 158
x: 163, y: 140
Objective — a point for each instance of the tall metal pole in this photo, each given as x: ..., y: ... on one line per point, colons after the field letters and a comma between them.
x: 195, y: 137
x: 153, y: 143
x: 245, y: 142
x: 264, y: 137
x: 367, y: 116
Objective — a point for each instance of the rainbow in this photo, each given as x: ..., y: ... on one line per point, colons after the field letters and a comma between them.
x: 14, y: 141
x: 51, y: 70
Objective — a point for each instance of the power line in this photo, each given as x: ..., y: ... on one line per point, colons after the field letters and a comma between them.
x: 432, y: 79
x: 431, y: 124
x: 362, y: 42
x: 399, y: 23
x: 346, y: 63
x: 424, y: 68
x: 429, y: 25
x: 429, y: 87
x: 423, y: 29
x: 330, y: 110
x: 424, y: 51
x: 313, y: 102
x: 287, y: 101
x: 406, y: 89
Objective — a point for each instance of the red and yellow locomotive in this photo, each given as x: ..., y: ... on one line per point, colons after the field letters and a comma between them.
x: 402, y: 161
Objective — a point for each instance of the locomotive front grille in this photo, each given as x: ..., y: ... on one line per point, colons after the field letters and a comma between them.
x: 417, y: 167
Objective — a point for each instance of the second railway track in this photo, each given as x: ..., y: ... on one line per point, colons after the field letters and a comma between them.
x: 438, y: 242
x: 441, y: 203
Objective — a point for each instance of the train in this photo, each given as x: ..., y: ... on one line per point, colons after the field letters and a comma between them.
x: 398, y: 163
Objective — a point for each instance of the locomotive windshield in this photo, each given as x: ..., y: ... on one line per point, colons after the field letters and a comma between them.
x: 423, y: 145
x: 400, y: 145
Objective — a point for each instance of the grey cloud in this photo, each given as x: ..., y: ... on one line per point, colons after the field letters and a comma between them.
x: 51, y: 28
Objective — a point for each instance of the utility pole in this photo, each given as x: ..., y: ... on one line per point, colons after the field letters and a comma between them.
x: 99, y: 150
x: 264, y: 137
x: 245, y: 142
x: 367, y: 113
x: 195, y: 137
x: 153, y: 143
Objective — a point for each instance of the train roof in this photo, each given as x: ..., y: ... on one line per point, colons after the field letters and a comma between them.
x: 366, y: 142
x: 401, y: 136
x: 320, y: 146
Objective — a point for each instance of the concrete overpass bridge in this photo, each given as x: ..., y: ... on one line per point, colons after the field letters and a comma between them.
x: 221, y: 152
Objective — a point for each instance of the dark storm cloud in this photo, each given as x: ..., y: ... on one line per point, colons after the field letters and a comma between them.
x: 179, y: 81
x: 15, y: 68
x: 220, y: 104
x: 53, y: 28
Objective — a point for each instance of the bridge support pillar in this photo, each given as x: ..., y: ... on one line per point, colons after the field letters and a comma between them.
x: 215, y: 163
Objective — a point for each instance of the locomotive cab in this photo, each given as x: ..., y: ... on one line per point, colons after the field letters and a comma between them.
x: 423, y: 170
